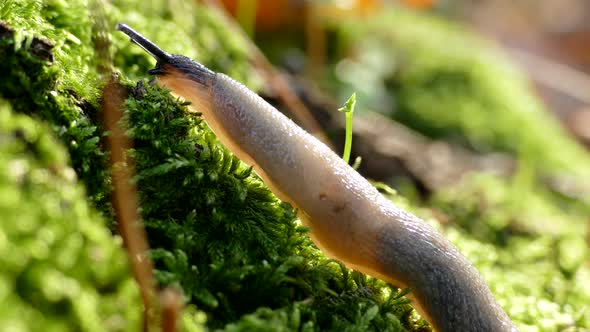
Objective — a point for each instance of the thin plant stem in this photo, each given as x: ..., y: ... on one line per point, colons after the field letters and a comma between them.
x: 348, y: 110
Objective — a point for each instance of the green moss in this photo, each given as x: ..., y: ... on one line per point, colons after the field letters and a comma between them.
x: 540, y: 281
x: 536, y: 271
x: 62, y: 92
x: 238, y: 253
x: 535, y: 255
x: 65, y: 91
x: 61, y: 268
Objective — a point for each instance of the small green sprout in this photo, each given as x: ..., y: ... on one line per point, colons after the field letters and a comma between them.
x: 348, y: 109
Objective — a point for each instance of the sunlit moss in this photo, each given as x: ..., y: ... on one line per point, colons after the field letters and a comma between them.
x: 536, y: 274
x: 531, y: 251
x: 526, y: 274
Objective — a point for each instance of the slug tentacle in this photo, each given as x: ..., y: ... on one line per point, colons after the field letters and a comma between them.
x: 349, y: 219
x: 168, y: 63
x: 146, y: 44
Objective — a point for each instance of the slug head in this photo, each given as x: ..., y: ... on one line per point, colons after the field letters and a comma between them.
x: 170, y: 65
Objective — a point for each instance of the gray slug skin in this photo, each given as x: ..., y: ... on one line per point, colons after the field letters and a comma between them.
x: 349, y: 219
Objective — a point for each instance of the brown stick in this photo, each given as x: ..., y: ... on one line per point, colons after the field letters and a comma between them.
x: 124, y: 198
x: 171, y: 303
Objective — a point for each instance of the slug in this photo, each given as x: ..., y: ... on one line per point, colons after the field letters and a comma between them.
x: 348, y: 218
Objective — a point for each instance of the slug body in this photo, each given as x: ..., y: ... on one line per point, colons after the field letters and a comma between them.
x: 349, y: 219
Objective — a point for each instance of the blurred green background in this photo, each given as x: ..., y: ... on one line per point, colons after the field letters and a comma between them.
x: 489, y: 97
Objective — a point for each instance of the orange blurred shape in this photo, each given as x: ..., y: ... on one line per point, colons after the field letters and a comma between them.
x: 365, y: 6
x: 335, y: 9
x: 420, y: 4
x: 273, y: 14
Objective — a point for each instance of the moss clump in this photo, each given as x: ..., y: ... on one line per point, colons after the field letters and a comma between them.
x: 531, y: 250
x: 537, y: 271
x: 61, y: 89
x: 492, y: 209
x: 540, y: 281
x: 61, y: 268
